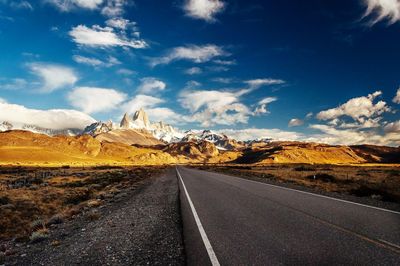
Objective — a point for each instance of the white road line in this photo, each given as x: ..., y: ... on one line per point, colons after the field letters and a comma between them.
x: 207, y: 244
x: 390, y: 243
x: 317, y: 195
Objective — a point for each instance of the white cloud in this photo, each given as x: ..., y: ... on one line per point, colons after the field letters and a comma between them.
x: 295, y: 122
x: 211, y: 107
x: 97, y: 36
x: 193, y: 71
x: 360, y: 109
x: 121, y: 23
x: 141, y: 101
x: 52, y: 119
x: 217, y: 68
x: 114, y: 8
x: 68, y: 5
x: 2, y: 100
x: 203, y: 9
x: 262, y: 105
x: 393, y: 127
x: 95, y: 100
x: 89, y: 4
x: 125, y: 71
x: 262, y: 133
x: 87, y: 61
x: 165, y: 114
x: 224, y: 80
x: 194, y: 53
x: 20, y: 4
x: 151, y: 85
x: 53, y: 76
x: 396, y: 98
x: 256, y: 83
x: 332, y: 135
x: 379, y: 10
x: 14, y: 84
x: 225, y: 62
x: 151, y: 105
x: 112, y: 61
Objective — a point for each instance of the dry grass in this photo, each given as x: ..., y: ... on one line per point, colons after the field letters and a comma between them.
x: 33, y: 198
x: 380, y: 182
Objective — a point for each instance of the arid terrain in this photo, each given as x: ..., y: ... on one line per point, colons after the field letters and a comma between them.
x: 53, y: 187
x: 377, y: 182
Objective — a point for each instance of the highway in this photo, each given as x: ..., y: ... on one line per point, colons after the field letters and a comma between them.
x: 234, y: 221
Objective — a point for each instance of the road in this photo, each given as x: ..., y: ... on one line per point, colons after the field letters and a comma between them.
x: 234, y: 221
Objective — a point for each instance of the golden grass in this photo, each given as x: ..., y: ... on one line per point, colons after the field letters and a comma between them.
x: 28, y: 194
x: 379, y: 181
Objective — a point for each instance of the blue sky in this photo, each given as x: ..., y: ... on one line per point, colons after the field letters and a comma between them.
x: 323, y: 71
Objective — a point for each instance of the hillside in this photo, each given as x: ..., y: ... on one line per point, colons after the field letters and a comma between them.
x: 135, y: 147
x: 129, y: 137
x: 27, y: 148
x: 378, y: 154
x: 298, y: 152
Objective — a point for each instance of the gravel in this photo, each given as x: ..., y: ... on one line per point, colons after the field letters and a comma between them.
x: 142, y: 226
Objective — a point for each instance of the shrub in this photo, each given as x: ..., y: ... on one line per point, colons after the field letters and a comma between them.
x: 77, y: 196
x: 39, y: 236
x: 94, y: 215
x: 37, y: 225
x: 4, y: 200
x: 303, y: 168
x: 323, y: 177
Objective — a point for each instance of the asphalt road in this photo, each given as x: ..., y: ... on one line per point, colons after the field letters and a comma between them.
x: 233, y: 221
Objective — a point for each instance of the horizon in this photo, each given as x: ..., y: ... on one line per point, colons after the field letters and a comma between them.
x: 312, y: 72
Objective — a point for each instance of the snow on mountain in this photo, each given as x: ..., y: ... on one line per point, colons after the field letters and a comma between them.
x: 221, y: 141
x: 99, y: 127
x: 36, y: 129
x: 159, y: 130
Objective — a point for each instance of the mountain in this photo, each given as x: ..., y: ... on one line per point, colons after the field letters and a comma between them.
x: 299, y: 152
x: 377, y: 154
x: 221, y: 141
x: 129, y: 137
x: 159, y: 130
x: 98, y: 128
x: 5, y: 126
x: 192, y: 149
x: 27, y: 148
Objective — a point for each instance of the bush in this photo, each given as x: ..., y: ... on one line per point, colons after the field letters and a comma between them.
x: 39, y: 236
x: 77, y: 196
x: 303, y: 168
x: 37, y: 225
x: 4, y: 200
x: 322, y: 177
x: 94, y: 215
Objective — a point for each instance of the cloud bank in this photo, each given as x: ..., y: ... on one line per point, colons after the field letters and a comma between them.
x: 52, y: 119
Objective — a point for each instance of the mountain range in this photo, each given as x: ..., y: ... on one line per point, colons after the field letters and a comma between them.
x: 159, y: 143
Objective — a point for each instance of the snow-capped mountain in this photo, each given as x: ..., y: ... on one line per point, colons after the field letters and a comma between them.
x: 159, y: 130
x: 99, y: 127
x: 221, y: 141
x: 36, y: 129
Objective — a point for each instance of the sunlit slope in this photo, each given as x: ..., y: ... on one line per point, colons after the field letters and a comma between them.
x: 297, y: 152
x: 26, y: 148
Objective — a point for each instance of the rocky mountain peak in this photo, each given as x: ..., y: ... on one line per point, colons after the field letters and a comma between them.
x: 141, y: 119
x: 125, y: 122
